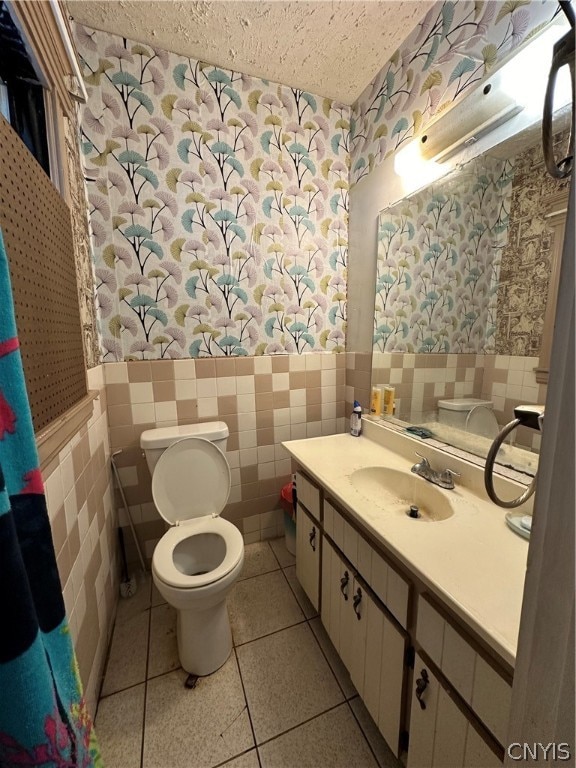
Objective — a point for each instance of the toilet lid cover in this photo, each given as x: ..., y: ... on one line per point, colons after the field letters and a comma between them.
x: 191, y: 479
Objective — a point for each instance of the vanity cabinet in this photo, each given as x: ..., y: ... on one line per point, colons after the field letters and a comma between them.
x: 441, y: 734
x: 308, y: 554
x: 476, y: 679
x: 308, y: 537
x: 438, y: 698
x: 368, y: 640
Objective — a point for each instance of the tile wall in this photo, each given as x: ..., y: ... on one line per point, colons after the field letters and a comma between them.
x: 421, y: 380
x: 264, y: 400
x: 80, y: 506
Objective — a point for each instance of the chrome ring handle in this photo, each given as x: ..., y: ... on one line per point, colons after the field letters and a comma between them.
x: 489, y: 471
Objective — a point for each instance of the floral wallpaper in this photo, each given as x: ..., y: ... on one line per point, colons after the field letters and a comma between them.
x: 438, y: 263
x: 218, y: 205
x: 452, y: 49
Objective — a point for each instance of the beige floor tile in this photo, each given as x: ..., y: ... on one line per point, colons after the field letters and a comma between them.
x: 287, y: 681
x: 262, y: 605
x: 119, y: 728
x: 127, y: 660
x: 333, y: 739
x: 163, y: 656
x: 384, y: 755
x: 334, y: 660
x: 258, y: 559
x: 299, y: 594
x: 128, y: 607
x: 156, y: 598
x: 196, y: 728
x: 247, y: 760
x: 284, y: 557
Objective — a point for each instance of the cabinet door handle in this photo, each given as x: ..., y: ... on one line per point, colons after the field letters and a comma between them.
x: 421, y: 685
x: 344, y: 584
x: 312, y: 538
x: 356, y: 603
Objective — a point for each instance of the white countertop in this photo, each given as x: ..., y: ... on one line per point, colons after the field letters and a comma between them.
x: 471, y: 561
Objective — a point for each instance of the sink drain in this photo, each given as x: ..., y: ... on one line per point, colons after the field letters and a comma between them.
x: 414, y: 512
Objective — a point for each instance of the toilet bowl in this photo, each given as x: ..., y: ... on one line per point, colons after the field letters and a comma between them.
x: 199, y: 558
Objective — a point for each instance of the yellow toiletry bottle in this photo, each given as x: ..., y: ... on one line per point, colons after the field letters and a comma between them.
x: 376, y: 402
x: 389, y: 393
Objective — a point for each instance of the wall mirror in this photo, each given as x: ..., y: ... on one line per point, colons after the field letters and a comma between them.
x: 465, y: 295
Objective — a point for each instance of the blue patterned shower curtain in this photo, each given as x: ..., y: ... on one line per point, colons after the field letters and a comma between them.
x: 43, y: 716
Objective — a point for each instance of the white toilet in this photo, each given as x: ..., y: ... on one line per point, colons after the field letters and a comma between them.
x: 469, y: 414
x: 197, y: 561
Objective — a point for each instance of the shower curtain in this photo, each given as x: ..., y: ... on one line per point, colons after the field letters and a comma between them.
x: 43, y: 716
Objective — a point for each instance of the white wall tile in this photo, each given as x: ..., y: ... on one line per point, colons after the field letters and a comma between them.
x: 143, y: 413
x: 298, y: 431
x: 245, y: 385
x: 184, y: 369
x: 246, y: 421
x: 265, y: 453
x: 248, y: 457
x: 281, y: 416
x: 186, y: 389
x: 263, y: 364
x: 226, y: 385
x: 313, y: 362
x: 54, y: 491
x: 266, y: 470
x: 297, y: 397
x: 206, y: 387
x: 141, y: 392
x: 247, y: 439
x: 280, y: 382
x: 298, y: 414
x: 165, y: 411
x: 207, y: 407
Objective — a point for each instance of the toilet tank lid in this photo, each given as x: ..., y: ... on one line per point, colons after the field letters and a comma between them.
x: 464, y: 403
x: 165, y: 436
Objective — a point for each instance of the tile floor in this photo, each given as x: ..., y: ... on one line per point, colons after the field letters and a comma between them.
x: 283, y: 699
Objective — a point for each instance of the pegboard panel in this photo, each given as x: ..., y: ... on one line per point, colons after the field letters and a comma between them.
x: 37, y: 231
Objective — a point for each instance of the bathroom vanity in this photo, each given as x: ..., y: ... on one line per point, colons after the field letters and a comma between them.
x: 424, y: 612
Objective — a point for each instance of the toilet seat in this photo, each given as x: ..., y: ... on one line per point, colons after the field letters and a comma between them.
x: 190, y: 487
x: 163, y: 557
x: 191, y: 480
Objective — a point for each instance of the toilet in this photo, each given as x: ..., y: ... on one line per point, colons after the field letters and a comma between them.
x: 197, y: 561
x: 469, y: 414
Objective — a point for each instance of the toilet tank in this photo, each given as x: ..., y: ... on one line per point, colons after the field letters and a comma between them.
x: 454, y: 412
x: 155, y: 441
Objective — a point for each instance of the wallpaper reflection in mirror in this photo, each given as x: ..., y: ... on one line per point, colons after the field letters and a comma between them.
x: 462, y: 283
x: 438, y: 263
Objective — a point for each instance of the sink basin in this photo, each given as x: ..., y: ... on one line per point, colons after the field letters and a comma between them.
x: 396, y: 491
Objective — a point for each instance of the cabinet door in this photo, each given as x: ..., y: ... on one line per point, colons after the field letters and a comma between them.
x: 357, y: 622
x: 441, y: 736
x: 381, y: 687
x: 337, y: 582
x: 308, y: 555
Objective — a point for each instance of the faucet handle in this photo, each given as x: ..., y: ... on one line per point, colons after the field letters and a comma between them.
x: 424, y: 462
x: 447, y: 477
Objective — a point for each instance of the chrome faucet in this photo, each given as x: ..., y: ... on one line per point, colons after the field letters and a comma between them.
x: 444, y: 479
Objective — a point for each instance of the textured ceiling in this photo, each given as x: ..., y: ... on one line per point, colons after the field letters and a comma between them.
x: 329, y: 48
